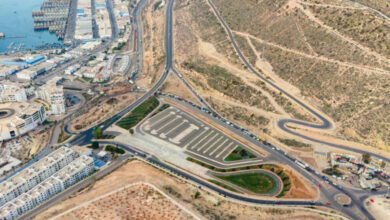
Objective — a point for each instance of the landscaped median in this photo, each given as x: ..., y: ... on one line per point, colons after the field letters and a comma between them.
x: 230, y: 175
x: 139, y: 113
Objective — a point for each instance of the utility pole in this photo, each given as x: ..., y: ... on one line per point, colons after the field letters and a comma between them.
x: 263, y: 53
x: 387, y: 194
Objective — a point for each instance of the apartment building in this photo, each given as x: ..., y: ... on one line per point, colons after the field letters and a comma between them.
x: 54, y: 95
x: 75, y: 171
x: 35, y: 174
x: 12, y: 92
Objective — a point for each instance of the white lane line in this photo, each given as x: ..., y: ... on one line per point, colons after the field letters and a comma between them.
x: 220, y: 153
x: 154, y: 131
x: 207, y: 135
x: 163, y: 118
x: 208, y: 141
x: 227, y: 139
x: 178, y: 138
x: 164, y: 135
x: 212, y: 145
x: 205, y: 130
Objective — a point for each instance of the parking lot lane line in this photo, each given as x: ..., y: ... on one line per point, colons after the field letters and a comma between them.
x: 197, y: 137
x: 169, y: 131
x: 228, y: 149
x: 208, y: 141
x: 152, y: 124
x: 213, y: 144
x: 219, y: 146
x: 178, y: 138
x: 217, y: 143
x: 178, y: 117
x: 220, y: 152
x: 207, y: 135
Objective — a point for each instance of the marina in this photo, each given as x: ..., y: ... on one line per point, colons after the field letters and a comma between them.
x: 22, y: 37
x: 52, y: 16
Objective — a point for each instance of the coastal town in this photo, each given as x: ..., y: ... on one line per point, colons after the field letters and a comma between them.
x: 142, y: 105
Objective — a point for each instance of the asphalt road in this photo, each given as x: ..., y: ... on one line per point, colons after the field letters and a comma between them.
x: 75, y: 188
x: 325, y: 123
x: 352, y: 211
x: 85, y: 137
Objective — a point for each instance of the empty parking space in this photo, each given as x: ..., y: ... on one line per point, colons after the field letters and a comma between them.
x: 185, y: 131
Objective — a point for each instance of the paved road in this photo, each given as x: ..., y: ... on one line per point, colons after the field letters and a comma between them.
x: 325, y: 123
x: 75, y: 188
x: 85, y: 137
x: 352, y: 211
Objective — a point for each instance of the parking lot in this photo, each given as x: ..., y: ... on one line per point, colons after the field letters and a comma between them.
x: 197, y: 138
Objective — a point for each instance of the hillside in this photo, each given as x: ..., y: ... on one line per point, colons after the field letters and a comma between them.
x: 334, y: 55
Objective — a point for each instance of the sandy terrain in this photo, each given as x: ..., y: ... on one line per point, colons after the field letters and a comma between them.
x: 207, y: 205
x: 380, y: 208
x: 173, y: 85
x: 102, y: 111
x: 139, y: 201
x: 153, y: 28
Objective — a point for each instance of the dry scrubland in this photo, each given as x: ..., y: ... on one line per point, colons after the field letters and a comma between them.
x: 336, y: 53
x: 136, y: 202
x: 207, y: 59
x: 153, y: 27
x: 206, y: 205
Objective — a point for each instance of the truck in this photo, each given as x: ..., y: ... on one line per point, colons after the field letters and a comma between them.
x: 304, y: 166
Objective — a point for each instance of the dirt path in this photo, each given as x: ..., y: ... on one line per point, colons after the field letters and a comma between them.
x: 331, y: 6
x: 320, y: 58
x: 312, y: 17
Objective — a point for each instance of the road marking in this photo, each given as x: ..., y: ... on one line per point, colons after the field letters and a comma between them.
x: 212, y: 131
x: 211, y: 145
x: 177, y: 139
x: 163, y: 135
x: 219, y: 146
x: 154, y: 131
x: 208, y: 141
x: 168, y: 115
x: 205, y: 129
x: 220, y: 153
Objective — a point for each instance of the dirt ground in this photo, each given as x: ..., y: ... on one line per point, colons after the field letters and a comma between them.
x: 380, y: 208
x: 102, y: 111
x: 138, y: 201
x: 153, y: 28
x: 207, y: 205
x: 173, y: 85
x: 300, y: 187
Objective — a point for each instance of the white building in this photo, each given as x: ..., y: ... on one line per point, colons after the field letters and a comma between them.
x: 54, y: 95
x: 12, y: 92
x: 26, y: 74
x: 75, y: 171
x: 7, y: 70
x: 8, y: 211
x: 35, y: 174
x: 70, y: 174
x: 17, y: 118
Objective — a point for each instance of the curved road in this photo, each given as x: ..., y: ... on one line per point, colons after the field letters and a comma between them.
x: 86, y: 136
x: 325, y: 123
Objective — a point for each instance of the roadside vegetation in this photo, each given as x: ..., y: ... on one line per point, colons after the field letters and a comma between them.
x: 113, y: 149
x: 271, y: 167
x: 240, y: 154
x: 162, y: 108
x: 139, y: 113
x: 293, y: 143
x: 258, y: 183
x: 223, y: 185
x: 230, y: 85
x: 63, y: 136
